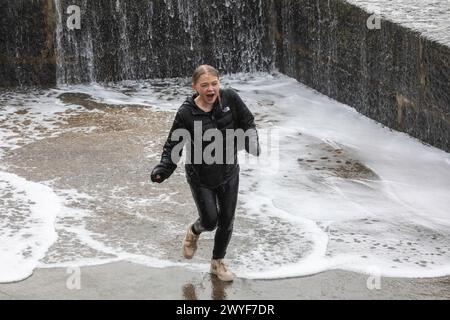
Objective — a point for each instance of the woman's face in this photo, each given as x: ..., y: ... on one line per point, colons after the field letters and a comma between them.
x: 207, y: 86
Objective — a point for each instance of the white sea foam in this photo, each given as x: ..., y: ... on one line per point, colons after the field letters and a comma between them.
x: 28, y: 209
x: 398, y: 222
x: 26, y: 226
x: 304, y: 217
x: 163, y: 94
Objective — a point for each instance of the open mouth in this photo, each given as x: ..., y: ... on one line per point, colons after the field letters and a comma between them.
x: 210, y: 95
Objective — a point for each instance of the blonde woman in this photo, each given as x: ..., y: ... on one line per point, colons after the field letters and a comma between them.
x: 214, y: 183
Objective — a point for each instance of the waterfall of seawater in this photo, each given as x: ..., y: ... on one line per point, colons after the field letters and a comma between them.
x: 127, y: 39
x: 74, y: 49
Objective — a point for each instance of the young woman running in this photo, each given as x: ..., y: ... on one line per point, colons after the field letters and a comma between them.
x: 213, y: 177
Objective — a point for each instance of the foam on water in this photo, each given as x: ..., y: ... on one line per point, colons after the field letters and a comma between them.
x: 332, y: 190
x: 160, y: 94
x: 396, y: 220
x: 29, y: 210
x: 26, y: 226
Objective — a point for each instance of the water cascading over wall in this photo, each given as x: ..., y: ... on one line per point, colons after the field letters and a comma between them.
x: 393, y: 75
x: 128, y: 39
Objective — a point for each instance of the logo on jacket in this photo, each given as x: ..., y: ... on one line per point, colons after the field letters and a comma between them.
x: 226, y: 109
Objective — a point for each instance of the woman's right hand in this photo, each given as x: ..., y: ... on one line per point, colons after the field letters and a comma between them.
x: 159, y: 174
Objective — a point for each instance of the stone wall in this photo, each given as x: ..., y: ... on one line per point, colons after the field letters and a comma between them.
x: 392, y: 74
x: 27, y: 55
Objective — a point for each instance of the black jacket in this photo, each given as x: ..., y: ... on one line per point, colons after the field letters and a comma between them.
x: 229, y: 112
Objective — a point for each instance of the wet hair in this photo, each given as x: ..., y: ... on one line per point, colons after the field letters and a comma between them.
x: 203, y: 69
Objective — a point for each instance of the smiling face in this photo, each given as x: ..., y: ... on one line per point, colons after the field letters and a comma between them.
x: 208, y: 87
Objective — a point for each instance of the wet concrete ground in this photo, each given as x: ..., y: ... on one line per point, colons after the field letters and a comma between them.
x: 130, y: 281
x: 111, y: 162
x: 108, y: 153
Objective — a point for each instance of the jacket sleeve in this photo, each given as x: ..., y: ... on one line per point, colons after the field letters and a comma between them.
x: 166, y: 158
x: 246, y: 121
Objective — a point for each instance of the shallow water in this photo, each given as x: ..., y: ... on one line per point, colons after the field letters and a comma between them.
x: 332, y: 189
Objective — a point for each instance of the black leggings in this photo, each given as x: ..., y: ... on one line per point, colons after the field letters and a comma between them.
x: 216, y: 209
